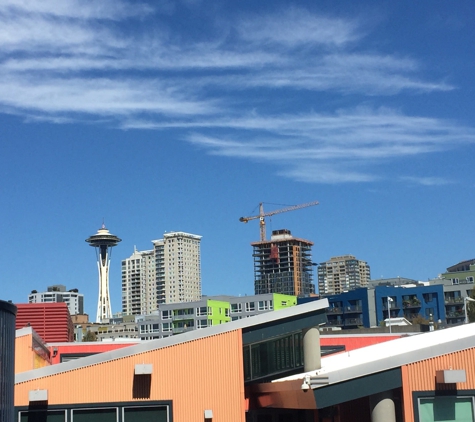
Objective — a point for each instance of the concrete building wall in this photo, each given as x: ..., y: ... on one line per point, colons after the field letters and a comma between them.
x: 283, y: 265
x: 58, y: 293
x: 139, y: 291
x: 341, y: 274
x: 169, y: 273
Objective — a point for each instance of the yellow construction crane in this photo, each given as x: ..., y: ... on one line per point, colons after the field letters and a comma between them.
x: 262, y: 215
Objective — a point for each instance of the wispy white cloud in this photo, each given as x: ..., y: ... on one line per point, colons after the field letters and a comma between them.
x: 100, y: 97
x: 83, y: 9
x: 294, y: 27
x: 356, y: 143
x: 427, y: 181
x: 68, y: 60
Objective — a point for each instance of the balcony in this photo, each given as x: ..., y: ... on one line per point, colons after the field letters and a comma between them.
x: 334, y: 323
x: 334, y: 310
x: 413, y: 303
x: 350, y: 322
x: 455, y: 314
x: 449, y: 300
x: 353, y: 309
x: 394, y: 306
x: 179, y: 330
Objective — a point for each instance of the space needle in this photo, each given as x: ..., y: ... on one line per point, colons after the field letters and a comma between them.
x: 103, y: 242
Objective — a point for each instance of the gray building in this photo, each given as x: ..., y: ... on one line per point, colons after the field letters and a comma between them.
x: 58, y: 293
x: 176, y: 318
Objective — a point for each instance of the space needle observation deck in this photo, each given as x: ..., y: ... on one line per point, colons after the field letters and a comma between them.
x: 103, y: 242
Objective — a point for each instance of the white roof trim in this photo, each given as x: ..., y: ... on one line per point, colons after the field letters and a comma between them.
x: 392, y: 354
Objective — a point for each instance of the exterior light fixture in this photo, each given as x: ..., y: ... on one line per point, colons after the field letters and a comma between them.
x: 390, y: 300
x: 143, y: 369
x: 37, y: 395
x: 306, y: 383
x: 315, y: 381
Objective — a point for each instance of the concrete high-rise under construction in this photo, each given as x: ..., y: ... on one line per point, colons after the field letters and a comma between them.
x: 283, y: 264
x: 168, y: 273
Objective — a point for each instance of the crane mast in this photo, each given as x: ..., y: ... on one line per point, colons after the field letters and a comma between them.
x: 262, y: 215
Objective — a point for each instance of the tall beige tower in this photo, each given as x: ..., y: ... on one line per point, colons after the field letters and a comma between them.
x: 341, y: 274
x: 178, y: 258
x: 169, y: 273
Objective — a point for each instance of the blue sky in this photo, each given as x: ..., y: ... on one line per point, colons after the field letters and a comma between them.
x: 184, y: 115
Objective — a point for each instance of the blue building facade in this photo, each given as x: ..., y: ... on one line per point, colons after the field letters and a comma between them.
x: 368, y: 307
x: 410, y: 302
x: 349, y: 310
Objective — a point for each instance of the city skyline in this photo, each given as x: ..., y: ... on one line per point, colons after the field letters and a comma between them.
x: 184, y: 116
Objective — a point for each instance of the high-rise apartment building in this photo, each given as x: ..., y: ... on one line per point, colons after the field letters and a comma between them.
x: 341, y: 274
x: 169, y: 273
x: 178, y: 264
x: 58, y: 293
x: 283, y: 264
x: 139, y: 283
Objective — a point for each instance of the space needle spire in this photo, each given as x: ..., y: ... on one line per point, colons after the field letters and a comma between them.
x: 103, y: 242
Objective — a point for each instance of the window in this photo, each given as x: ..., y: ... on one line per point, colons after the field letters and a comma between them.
x: 95, y: 415
x: 202, y: 323
x: 201, y: 311
x: 265, y: 305
x: 236, y: 307
x: 250, y: 306
x: 167, y: 314
x: 145, y: 414
x: 446, y: 408
x: 42, y: 415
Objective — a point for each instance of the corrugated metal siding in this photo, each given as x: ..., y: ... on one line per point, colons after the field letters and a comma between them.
x: 420, y: 376
x: 51, y: 321
x: 7, y: 358
x: 197, y: 375
x: 23, y: 353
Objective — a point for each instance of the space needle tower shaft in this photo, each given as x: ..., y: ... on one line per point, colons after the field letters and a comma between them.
x: 103, y: 242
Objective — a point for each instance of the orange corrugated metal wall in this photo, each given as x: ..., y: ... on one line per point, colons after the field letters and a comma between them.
x: 420, y: 376
x: 197, y: 375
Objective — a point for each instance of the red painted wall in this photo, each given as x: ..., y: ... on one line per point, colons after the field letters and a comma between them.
x: 352, y: 342
x: 87, y: 348
x: 51, y: 321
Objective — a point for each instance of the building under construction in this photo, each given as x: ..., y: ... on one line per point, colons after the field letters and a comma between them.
x: 283, y: 265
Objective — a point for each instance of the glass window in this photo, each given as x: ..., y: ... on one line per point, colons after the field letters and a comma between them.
x: 145, y: 414
x: 43, y: 416
x: 447, y: 409
x: 236, y: 307
x: 95, y: 415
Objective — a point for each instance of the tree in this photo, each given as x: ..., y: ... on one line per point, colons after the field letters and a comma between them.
x: 471, y: 307
x: 89, y: 336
